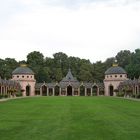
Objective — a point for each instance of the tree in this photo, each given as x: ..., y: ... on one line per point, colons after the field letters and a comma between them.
x: 123, y: 58
x: 109, y: 62
x: 133, y: 68
x: 61, y: 61
x: 35, y: 61
x: 99, y: 70
x: 35, y: 58
x: 7, y: 66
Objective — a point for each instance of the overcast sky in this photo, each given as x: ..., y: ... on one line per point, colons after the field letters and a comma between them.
x: 90, y: 29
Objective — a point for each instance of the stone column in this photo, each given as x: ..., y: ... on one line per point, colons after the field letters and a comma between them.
x: 72, y: 91
x: 47, y: 91
x: 97, y: 91
x: 85, y: 91
x: 6, y: 90
x: 91, y: 92
x: 66, y: 92
x: 41, y: 91
x: 53, y: 91
x: 78, y: 91
x: 60, y: 91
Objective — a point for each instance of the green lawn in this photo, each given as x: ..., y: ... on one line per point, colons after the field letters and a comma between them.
x: 70, y: 118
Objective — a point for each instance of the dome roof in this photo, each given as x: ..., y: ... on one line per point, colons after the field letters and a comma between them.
x: 115, y: 70
x: 23, y: 69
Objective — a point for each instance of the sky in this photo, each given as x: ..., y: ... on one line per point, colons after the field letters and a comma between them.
x: 89, y: 29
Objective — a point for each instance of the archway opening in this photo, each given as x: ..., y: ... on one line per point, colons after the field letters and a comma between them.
x: 57, y: 88
x: 111, y: 90
x: 88, y: 91
x: 69, y: 90
x: 28, y: 90
x: 94, y: 90
x: 82, y: 90
x: 50, y: 91
x: 44, y: 90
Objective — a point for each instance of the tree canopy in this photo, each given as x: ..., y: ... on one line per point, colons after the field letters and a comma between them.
x: 54, y: 69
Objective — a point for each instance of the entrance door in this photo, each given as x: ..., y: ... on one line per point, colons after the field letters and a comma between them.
x: 28, y: 90
x: 69, y: 90
x: 94, y: 90
x: 57, y: 88
x: 82, y: 90
x: 111, y: 89
x: 44, y: 90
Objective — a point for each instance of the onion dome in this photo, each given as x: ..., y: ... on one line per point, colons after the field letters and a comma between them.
x: 23, y: 69
x: 115, y: 69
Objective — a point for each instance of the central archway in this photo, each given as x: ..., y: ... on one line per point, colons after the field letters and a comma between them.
x: 82, y: 90
x: 69, y: 90
x: 94, y: 90
x: 28, y: 90
x: 44, y: 90
x: 111, y: 90
x: 57, y: 88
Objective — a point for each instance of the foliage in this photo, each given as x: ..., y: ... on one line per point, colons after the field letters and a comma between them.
x: 18, y: 94
x: 120, y: 94
x: 54, y: 69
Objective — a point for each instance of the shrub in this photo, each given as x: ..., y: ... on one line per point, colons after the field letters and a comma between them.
x: 120, y: 94
x: 18, y: 94
x: 138, y: 95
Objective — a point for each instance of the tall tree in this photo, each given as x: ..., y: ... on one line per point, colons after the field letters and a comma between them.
x: 133, y: 68
x: 123, y: 58
x: 35, y: 60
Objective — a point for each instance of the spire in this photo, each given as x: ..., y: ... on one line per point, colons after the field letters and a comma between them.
x: 69, y: 75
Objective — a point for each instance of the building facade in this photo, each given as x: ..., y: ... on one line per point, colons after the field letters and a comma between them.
x: 69, y: 86
x: 113, y: 77
x: 25, y: 77
x: 115, y: 81
x: 8, y: 88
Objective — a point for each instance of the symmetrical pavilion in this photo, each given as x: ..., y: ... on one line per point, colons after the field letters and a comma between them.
x: 69, y: 86
x: 115, y: 81
x: 113, y: 77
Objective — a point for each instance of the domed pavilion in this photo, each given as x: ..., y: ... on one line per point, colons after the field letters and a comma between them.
x: 113, y: 77
x: 25, y: 76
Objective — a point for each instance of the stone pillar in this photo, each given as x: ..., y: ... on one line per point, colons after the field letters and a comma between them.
x: 85, y: 91
x: 72, y: 91
x: 5, y: 89
x: 41, y: 91
x: 47, y: 91
x: 78, y: 91
x: 91, y: 92
x: 60, y: 91
x: 98, y: 91
x: 66, y: 92
x: 53, y: 91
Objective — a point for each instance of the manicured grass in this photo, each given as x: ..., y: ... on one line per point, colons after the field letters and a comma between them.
x: 70, y: 118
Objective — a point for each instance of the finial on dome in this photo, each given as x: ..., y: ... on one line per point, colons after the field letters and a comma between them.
x: 115, y: 64
x: 23, y: 65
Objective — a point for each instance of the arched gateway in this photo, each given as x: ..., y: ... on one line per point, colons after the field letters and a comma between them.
x: 68, y: 86
x: 69, y: 90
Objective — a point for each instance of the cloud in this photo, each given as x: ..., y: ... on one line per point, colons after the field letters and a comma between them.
x: 93, y: 31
